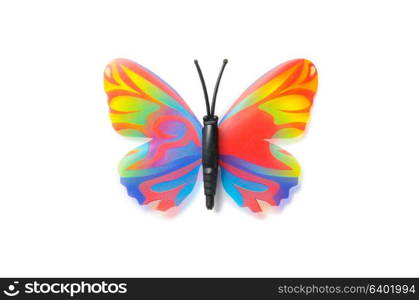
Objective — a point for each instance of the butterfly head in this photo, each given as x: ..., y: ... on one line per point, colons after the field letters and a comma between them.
x: 210, y: 120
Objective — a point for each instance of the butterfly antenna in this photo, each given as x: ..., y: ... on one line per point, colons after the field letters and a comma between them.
x: 204, y: 87
x: 214, y: 96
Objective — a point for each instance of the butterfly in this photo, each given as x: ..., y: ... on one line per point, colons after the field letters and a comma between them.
x: 254, y: 170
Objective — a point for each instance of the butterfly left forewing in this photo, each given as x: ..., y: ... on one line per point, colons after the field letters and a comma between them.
x: 277, y: 106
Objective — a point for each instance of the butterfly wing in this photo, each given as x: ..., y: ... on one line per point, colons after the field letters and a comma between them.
x: 142, y: 105
x: 277, y: 106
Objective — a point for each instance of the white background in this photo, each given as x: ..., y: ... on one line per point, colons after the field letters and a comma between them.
x: 63, y: 211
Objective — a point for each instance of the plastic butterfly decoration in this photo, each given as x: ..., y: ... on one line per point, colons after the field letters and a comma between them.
x: 253, y: 169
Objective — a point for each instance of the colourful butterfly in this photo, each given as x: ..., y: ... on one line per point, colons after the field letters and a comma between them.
x: 253, y: 169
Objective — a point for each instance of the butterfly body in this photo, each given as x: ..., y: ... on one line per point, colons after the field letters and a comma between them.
x: 210, y: 158
x: 242, y: 146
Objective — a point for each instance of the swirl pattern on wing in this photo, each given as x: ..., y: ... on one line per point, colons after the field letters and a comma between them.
x: 277, y: 106
x: 142, y: 105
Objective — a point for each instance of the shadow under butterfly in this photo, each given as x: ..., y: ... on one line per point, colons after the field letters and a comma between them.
x: 254, y: 171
